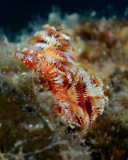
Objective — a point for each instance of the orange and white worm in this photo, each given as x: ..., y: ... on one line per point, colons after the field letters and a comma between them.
x: 80, y: 96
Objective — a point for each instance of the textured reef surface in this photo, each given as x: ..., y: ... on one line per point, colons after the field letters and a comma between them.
x: 28, y: 129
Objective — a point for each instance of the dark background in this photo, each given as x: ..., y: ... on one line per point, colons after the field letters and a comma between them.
x: 15, y: 15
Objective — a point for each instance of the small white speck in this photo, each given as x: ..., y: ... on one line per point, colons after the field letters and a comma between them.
x: 18, y: 54
x: 31, y: 51
x: 50, y: 39
x: 29, y: 58
x: 107, y: 87
x: 50, y: 27
x: 24, y: 49
x: 41, y: 45
x: 93, y: 13
x: 0, y: 124
x: 30, y: 125
x: 66, y: 36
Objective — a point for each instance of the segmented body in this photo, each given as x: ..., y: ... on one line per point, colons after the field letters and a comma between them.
x: 80, y: 96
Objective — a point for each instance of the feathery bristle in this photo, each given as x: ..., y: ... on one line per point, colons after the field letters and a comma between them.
x: 80, y: 96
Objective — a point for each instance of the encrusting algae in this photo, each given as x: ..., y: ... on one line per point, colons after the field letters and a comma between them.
x: 80, y: 96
